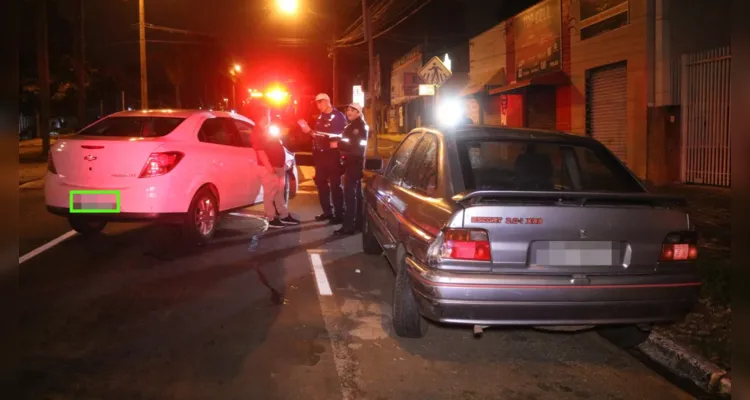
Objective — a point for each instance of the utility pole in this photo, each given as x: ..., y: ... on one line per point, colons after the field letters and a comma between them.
x: 81, y: 63
x: 142, y: 34
x: 335, y: 83
x: 369, y: 95
x: 43, y: 69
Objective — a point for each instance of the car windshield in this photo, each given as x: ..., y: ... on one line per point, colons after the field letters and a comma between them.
x: 133, y: 127
x: 533, y: 165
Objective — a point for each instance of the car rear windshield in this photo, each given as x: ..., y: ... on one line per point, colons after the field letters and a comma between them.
x: 533, y: 165
x: 133, y: 127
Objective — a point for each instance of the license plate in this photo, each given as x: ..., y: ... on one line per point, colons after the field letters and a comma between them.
x: 94, y: 201
x: 576, y: 254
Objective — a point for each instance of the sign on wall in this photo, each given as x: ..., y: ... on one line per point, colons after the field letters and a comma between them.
x: 358, y: 95
x: 599, y: 16
x: 404, y: 76
x: 426, y: 90
x: 538, y: 45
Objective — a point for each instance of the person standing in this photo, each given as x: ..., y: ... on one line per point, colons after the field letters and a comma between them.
x: 271, y: 160
x: 327, y: 158
x: 353, y: 148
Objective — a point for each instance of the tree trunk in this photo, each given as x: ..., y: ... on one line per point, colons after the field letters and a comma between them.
x: 43, y: 67
x: 81, y: 63
x: 177, y: 96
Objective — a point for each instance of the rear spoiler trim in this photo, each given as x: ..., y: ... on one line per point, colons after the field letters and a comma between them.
x: 582, y: 196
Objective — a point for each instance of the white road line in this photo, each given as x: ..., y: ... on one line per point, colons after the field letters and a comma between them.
x: 52, y: 243
x: 324, y: 288
x: 344, y: 358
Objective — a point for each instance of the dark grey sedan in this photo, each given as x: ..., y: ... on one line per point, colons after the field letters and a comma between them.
x: 490, y: 226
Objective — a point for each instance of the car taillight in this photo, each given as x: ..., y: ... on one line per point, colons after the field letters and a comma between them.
x: 51, y: 164
x: 160, y: 164
x: 465, y: 244
x: 680, y: 246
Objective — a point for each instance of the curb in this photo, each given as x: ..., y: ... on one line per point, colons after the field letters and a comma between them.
x: 686, y: 364
x: 30, y: 183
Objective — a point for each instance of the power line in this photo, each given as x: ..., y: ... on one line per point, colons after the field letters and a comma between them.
x: 390, y: 28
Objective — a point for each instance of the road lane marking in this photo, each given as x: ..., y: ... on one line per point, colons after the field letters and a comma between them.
x: 324, y: 288
x: 39, y: 250
x: 344, y: 357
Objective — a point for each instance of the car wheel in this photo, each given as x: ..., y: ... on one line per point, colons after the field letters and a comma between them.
x: 86, y: 226
x: 202, y: 217
x: 407, y: 321
x: 624, y: 337
x: 370, y: 244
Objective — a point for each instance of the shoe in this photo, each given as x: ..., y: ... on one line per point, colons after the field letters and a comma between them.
x: 276, y: 224
x: 323, y: 217
x: 290, y: 221
x: 335, y: 221
x: 344, y: 232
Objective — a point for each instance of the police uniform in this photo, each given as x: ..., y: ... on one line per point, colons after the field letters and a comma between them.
x: 328, y: 129
x: 353, y: 148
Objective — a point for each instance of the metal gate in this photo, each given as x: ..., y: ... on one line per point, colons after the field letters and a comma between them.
x: 607, y: 107
x: 705, y: 106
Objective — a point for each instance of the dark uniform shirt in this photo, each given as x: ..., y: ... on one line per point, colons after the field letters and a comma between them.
x: 328, y: 128
x: 272, y: 146
x: 354, y: 139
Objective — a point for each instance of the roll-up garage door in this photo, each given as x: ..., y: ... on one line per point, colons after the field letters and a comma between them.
x: 607, y: 107
x: 492, y: 111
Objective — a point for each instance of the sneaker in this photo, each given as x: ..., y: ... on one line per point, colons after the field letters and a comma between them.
x: 289, y: 220
x: 323, y: 217
x: 276, y: 224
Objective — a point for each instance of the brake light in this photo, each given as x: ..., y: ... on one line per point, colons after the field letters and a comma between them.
x: 465, y: 244
x: 160, y: 163
x: 680, y: 246
x: 51, y: 164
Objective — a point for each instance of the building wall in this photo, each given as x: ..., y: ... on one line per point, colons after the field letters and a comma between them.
x: 627, y: 43
x: 686, y: 26
x: 487, y: 53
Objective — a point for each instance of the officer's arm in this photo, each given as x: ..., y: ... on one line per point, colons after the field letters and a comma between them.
x: 359, y: 138
x: 338, y: 124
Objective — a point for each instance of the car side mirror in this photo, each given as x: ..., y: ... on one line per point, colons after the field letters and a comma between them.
x: 374, y: 164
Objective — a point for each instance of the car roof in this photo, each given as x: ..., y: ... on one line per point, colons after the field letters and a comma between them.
x: 178, y: 113
x: 499, y: 132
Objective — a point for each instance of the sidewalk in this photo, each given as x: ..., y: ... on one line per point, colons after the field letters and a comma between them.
x: 706, y: 331
x: 32, y: 164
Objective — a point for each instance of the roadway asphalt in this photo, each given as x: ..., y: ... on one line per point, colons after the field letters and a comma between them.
x: 136, y: 314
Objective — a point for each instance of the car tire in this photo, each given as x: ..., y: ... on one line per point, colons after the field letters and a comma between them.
x: 202, y: 217
x: 407, y: 321
x: 370, y: 244
x: 626, y: 336
x: 86, y: 226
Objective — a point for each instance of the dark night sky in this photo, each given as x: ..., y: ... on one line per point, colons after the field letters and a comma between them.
x: 247, y: 31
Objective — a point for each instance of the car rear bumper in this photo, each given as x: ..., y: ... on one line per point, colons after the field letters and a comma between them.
x: 121, y: 217
x: 153, y: 196
x: 520, y: 300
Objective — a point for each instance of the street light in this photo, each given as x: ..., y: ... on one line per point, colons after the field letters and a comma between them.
x: 288, y: 6
x: 236, y: 69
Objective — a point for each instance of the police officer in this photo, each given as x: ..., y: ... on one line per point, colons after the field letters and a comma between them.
x: 353, y: 147
x: 327, y: 158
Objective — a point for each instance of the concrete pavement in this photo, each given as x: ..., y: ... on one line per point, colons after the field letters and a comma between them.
x: 135, y: 314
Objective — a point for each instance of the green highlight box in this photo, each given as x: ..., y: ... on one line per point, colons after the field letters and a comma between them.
x: 94, y: 201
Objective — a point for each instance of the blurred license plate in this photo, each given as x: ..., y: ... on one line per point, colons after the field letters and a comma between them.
x: 576, y: 254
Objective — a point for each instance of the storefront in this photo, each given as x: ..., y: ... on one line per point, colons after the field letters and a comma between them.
x: 529, y: 89
x: 405, y: 112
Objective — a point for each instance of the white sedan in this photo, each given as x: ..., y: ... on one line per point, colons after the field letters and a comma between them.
x: 184, y: 166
